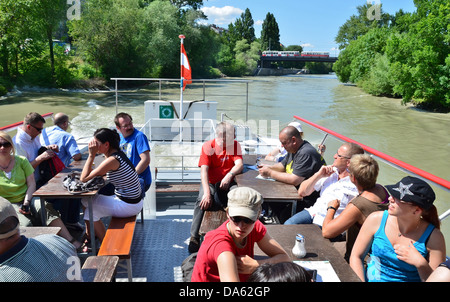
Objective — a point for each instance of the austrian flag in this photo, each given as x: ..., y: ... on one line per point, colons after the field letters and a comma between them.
x: 185, y: 68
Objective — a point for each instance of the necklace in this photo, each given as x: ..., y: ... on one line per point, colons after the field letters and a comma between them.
x: 4, y: 168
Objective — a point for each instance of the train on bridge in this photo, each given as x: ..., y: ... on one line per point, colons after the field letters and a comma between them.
x: 309, y: 54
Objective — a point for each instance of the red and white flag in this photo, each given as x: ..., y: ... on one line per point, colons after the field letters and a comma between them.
x: 185, y: 68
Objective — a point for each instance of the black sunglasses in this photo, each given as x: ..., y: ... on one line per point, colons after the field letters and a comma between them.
x: 237, y: 219
x: 38, y: 129
x: 5, y: 145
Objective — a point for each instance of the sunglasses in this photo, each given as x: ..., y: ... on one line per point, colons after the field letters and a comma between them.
x: 341, y: 156
x: 37, y: 129
x: 5, y: 145
x: 237, y: 219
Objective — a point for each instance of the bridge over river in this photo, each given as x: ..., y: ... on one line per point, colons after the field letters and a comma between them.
x: 267, y: 60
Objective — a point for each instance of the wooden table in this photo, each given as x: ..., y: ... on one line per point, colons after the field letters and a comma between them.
x: 54, y: 189
x: 271, y: 191
x: 99, y: 268
x: 317, y: 247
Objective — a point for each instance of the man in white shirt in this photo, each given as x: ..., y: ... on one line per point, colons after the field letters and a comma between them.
x: 333, y: 182
x: 27, y: 144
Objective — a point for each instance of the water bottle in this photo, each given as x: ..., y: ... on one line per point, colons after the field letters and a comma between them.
x: 299, y: 250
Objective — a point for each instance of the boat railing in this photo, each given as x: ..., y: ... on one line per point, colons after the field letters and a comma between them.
x: 14, y: 126
x: 175, y: 173
x: 394, y: 162
x: 203, y: 82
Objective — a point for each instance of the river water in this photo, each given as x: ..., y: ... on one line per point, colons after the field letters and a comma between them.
x: 416, y: 137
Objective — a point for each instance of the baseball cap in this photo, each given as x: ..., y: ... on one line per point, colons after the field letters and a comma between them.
x: 296, y: 125
x: 6, y: 211
x: 415, y: 190
x: 245, y: 202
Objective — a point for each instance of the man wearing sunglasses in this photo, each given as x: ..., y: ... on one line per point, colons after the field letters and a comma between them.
x: 27, y: 143
x: 332, y: 182
x: 227, y: 253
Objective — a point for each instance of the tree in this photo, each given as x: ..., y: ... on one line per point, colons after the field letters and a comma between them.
x: 270, y: 34
x: 244, y: 26
x: 358, y: 25
x: 195, y: 4
x: 409, y: 58
x: 15, y: 29
x: 48, y: 15
x: 247, y: 54
x: 107, y: 34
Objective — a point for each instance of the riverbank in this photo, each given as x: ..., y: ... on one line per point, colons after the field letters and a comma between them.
x: 267, y: 72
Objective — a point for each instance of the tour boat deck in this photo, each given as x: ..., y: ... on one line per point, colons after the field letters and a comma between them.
x: 160, y: 245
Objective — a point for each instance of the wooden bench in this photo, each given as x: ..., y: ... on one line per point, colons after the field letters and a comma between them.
x: 211, y: 221
x: 177, y: 188
x: 118, y: 239
x: 99, y: 268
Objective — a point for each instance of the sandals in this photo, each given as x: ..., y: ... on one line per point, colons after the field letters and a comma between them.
x: 85, y: 247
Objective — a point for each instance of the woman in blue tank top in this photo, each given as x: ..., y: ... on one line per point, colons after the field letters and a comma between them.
x: 404, y: 242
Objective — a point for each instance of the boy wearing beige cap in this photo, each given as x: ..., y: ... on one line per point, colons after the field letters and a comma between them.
x: 227, y: 253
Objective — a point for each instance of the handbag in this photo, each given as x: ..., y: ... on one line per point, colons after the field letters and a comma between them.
x: 74, y: 185
x: 48, y: 168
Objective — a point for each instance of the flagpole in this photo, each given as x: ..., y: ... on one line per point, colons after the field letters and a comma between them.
x: 181, y: 89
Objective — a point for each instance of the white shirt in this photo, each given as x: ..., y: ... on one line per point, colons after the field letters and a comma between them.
x: 27, y: 147
x: 331, y: 188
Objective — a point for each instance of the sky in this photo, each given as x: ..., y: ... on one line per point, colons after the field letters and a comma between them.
x: 311, y: 23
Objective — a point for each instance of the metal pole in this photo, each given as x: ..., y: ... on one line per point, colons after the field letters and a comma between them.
x: 181, y: 90
x: 246, y: 109
x: 204, y: 90
x: 117, y: 98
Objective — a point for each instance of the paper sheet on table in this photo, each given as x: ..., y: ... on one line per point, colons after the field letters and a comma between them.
x: 262, y: 177
x: 325, y: 271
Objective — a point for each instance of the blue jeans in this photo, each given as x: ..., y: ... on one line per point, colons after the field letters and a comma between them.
x: 302, y: 217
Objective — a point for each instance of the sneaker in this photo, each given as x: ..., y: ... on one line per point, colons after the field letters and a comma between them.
x: 194, y: 245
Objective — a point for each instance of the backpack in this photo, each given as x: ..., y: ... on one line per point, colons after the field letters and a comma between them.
x: 48, y: 168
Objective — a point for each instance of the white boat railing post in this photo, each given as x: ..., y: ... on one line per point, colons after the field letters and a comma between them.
x: 444, y: 215
x: 117, y: 95
x: 246, y: 105
x: 150, y: 199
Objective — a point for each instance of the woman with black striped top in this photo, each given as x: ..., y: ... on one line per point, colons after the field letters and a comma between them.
x: 120, y: 172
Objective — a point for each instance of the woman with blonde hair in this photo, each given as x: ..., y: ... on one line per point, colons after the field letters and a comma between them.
x: 372, y: 197
x: 17, y: 185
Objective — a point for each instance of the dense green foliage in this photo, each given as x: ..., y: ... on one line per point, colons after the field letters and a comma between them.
x: 407, y: 57
x: 118, y: 38
x: 122, y: 38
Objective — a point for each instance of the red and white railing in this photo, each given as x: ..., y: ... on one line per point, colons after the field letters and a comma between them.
x: 18, y: 124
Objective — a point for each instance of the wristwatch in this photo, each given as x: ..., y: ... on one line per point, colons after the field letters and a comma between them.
x: 330, y: 207
x: 232, y: 174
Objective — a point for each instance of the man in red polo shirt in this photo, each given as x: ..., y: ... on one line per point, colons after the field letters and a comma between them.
x: 220, y: 161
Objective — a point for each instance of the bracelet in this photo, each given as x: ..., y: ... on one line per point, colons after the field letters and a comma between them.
x: 232, y: 174
x: 330, y: 207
